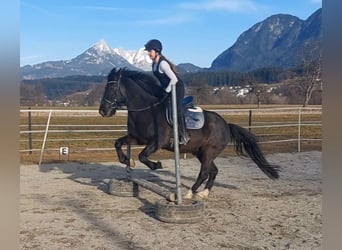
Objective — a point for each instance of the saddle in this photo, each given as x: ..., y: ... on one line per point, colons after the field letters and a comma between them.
x: 194, y: 117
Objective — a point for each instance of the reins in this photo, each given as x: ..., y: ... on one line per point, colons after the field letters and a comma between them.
x: 149, y: 107
x: 114, y: 103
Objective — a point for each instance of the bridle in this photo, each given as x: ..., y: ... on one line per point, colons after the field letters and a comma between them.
x: 117, y: 102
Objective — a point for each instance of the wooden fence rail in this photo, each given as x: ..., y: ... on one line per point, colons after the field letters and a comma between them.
x: 86, y: 131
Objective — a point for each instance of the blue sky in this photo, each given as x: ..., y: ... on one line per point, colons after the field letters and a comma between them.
x: 194, y: 31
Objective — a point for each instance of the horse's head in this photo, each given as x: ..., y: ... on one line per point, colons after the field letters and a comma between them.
x: 136, y: 90
x: 113, y: 97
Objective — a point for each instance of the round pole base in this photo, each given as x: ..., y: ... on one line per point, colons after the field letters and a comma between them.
x: 189, y: 211
x: 123, y: 188
x: 166, y: 210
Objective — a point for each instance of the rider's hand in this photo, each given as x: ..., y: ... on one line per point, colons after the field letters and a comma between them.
x: 168, y: 89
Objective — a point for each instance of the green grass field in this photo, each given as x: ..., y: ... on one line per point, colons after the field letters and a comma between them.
x: 85, y: 135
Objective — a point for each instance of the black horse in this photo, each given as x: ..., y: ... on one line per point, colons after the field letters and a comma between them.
x: 147, y: 125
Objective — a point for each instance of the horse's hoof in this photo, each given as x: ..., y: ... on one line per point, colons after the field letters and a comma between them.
x: 157, y: 165
x: 203, y: 194
x: 172, y: 197
x: 131, y: 163
x: 188, y: 195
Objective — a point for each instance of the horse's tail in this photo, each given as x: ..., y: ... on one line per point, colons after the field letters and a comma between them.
x: 243, y: 142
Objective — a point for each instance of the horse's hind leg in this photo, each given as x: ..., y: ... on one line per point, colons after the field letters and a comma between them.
x: 208, y: 171
x: 210, y: 182
x: 202, y: 176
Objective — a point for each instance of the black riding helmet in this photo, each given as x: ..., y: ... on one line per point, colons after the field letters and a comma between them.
x: 155, y: 45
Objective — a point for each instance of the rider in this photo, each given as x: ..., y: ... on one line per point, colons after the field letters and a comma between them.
x: 165, y: 71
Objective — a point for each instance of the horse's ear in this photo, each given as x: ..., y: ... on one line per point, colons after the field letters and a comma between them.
x: 113, y: 71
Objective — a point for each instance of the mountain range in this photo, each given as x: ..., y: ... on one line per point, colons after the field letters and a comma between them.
x: 278, y: 41
x: 97, y: 60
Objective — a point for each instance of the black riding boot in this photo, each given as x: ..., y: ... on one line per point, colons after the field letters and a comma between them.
x: 183, y: 133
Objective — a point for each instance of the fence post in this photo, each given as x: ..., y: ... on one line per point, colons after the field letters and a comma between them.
x: 250, y: 120
x: 129, y: 155
x: 299, y: 127
x: 45, y: 135
x: 30, y: 130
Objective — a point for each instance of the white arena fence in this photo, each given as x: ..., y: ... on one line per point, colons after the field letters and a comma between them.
x: 43, y: 130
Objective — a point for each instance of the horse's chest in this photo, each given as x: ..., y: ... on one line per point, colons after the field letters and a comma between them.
x: 143, y: 127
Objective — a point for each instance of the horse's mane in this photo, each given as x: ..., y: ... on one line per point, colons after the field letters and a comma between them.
x: 145, y: 80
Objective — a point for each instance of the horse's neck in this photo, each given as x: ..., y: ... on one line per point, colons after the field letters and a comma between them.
x: 138, y: 97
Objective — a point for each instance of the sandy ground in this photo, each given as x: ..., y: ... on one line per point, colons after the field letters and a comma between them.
x: 66, y: 206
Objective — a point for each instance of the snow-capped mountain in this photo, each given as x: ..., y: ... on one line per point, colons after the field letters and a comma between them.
x: 102, y: 48
x: 97, y: 60
x: 138, y: 58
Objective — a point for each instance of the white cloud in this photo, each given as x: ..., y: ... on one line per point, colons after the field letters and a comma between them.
x: 35, y: 8
x: 100, y: 8
x: 175, y: 19
x: 225, y: 5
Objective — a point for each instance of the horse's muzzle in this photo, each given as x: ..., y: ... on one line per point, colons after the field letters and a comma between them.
x: 106, y: 112
x: 102, y: 113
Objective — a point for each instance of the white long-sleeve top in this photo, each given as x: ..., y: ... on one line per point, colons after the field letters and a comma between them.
x: 164, y: 67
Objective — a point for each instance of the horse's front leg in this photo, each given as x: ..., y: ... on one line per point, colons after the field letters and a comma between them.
x: 125, y: 140
x: 147, y: 151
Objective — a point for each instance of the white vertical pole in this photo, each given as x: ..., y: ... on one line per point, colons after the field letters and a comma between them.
x: 299, y: 125
x: 46, y: 131
x: 176, y: 144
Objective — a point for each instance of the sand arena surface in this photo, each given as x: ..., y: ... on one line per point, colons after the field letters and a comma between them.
x: 65, y: 206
